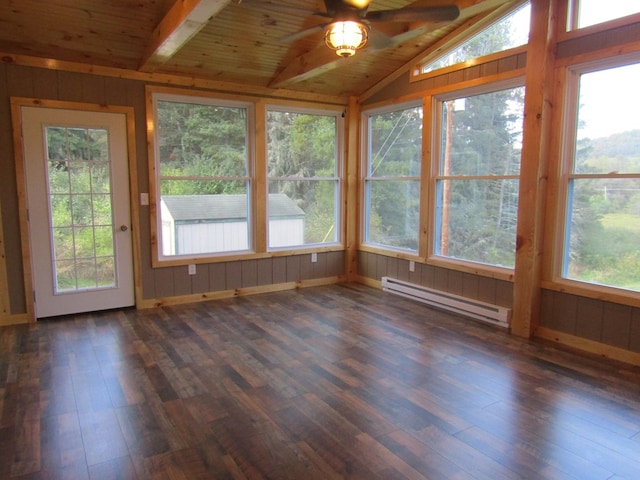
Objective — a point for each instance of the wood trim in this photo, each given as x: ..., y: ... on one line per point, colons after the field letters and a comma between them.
x: 239, y: 292
x: 182, y: 81
x: 259, y: 169
x: 21, y: 185
x: 153, y: 175
x: 369, y: 282
x: 469, y: 267
x: 629, y: 48
x: 351, y: 189
x: 4, y: 292
x: 18, y: 319
x: 388, y: 252
x: 512, y: 52
x: 429, y: 134
x: 589, y: 346
x: 251, y: 255
x: 134, y: 200
x: 597, y: 292
x: 16, y: 104
x: 452, y: 87
x: 553, y: 241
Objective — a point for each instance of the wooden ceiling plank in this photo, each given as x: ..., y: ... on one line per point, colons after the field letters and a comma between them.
x: 180, y: 24
x: 322, y: 59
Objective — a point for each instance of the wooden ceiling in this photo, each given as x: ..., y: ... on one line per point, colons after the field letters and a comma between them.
x: 220, y: 40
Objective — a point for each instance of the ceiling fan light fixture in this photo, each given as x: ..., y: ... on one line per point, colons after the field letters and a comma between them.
x: 345, y: 37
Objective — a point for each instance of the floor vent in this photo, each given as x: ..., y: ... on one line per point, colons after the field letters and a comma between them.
x: 485, y: 312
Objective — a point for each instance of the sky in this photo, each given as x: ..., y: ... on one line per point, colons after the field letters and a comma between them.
x: 609, y: 101
x: 598, y: 11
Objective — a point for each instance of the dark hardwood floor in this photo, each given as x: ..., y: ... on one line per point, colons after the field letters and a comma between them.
x: 321, y: 383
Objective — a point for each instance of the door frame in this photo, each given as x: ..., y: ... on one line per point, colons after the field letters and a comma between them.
x: 27, y: 265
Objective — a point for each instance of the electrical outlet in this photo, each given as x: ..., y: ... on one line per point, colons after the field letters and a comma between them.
x: 144, y: 199
x: 412, y: 266
x: 192, y: 269
x: 314, y: 257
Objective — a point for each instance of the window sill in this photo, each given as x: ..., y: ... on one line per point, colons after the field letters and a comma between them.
x: 598, y: 292
x: 240, y: 256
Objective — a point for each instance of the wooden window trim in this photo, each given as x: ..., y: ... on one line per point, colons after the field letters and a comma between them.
x: 567, y: 95
x: 257, y: 172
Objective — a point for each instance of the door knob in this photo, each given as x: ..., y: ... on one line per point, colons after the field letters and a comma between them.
x: 124, y: 228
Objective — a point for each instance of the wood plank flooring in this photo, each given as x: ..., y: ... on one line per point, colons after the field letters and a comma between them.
x: 321, y: 383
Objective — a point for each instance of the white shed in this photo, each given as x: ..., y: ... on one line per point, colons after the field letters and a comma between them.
x: 194, y: 224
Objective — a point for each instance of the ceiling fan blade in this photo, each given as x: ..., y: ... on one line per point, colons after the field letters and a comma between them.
x: 378, y: 40
x: 302, y: 33
x: 277, y: 7
x: 333, y: 7
x: 444, y: 13
x: 337, y: 8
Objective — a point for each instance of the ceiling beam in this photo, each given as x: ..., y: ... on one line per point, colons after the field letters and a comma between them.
x: 180, y: 24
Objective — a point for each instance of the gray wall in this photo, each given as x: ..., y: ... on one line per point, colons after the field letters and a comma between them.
x: 20, y: 81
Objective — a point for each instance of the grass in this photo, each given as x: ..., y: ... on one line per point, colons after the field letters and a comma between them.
x: 622, y: 221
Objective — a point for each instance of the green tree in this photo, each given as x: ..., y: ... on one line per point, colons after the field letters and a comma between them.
x: 485, y: 141
x: 393, y: 197
x: 199, y: 144
x: 302, y: 163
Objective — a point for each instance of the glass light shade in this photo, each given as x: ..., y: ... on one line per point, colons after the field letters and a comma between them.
x: 346, y: 37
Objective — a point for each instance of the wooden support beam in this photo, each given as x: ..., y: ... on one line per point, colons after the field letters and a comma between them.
x: 184, y: 20
x: 538, y: 112
x: 351, y: 192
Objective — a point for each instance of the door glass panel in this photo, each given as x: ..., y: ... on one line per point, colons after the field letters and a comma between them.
x: 80, y: 208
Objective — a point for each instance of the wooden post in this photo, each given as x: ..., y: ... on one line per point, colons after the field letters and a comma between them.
x: 527, y: 293
x: 350, y: 189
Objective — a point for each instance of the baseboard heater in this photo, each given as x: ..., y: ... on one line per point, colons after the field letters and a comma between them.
x: 485, y: 312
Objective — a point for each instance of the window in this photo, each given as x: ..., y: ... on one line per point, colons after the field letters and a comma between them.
x: 602, y: 222
x: 392, y: 181
x: 303, y: 177
x: 508, y: 32
x: 79, y: 190
x: 477, y: 176
x: 584, y: 13
x: 203, y: 177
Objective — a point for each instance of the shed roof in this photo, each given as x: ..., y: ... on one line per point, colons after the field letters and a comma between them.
x: 226, y: 207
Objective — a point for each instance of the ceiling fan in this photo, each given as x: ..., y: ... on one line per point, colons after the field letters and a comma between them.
x: 349, y: 27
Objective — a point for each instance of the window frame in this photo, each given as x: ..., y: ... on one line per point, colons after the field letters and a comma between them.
x: 554, y: 277
x: 436, y: 101
x: 459, y: 37
x: 363, y: 244
x: 568, y: 18
x: 339, y: 175
x: 155, y: 94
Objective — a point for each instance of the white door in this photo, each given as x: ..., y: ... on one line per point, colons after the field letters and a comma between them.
x: 76, y: 168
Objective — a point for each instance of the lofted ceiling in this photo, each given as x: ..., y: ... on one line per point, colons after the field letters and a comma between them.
x: 230, y: 41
